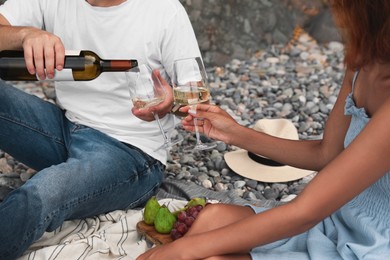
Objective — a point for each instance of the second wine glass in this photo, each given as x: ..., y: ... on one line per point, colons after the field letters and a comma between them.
x: 190, y: 87
x: 146, y: 91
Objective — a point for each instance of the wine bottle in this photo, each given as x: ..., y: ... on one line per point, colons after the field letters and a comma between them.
x: 79, y: 66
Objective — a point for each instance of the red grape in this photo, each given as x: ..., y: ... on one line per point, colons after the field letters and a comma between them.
x: 191, y: 211
x: 176, y: 224
x: 188, y: 221
x: 199, y: 207
x: 182, y: 228
x: 184, y: 221
x: 175, y: 234
x: 195, y: 214
x: 181, y: 216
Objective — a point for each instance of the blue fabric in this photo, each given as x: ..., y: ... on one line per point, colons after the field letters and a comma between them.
x: 81, y: 171
x: 358, y: 230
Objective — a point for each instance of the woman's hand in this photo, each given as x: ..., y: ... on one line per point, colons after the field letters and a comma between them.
x: 216, y: 123
x: 168, y: 251
x: 161, y: 109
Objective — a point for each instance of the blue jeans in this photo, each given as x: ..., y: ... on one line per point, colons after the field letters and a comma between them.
x: 81, y: 172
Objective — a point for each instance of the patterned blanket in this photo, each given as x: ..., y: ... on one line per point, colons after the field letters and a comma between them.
x: 114, y: 235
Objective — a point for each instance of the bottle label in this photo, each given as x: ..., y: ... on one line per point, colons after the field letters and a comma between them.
x: 63, y: 75
x: 72, y: 53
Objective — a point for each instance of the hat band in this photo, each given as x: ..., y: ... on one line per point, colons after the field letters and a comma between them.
x: 263, y: 160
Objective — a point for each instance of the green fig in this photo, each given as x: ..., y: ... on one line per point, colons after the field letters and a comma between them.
x: 193, y: 202
x: 151, y: 208
x: 163, y: 223
x: 196, y: 201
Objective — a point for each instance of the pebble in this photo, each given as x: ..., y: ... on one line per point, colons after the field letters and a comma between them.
x: 288, y: 198
x: 270, y: 193
x: 239, y: 184
x: 220, y: 187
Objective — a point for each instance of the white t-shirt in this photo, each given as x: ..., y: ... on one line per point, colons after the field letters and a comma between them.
x: 155, y: 32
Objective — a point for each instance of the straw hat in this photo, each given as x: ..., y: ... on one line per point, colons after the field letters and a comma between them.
x: 256, y: 167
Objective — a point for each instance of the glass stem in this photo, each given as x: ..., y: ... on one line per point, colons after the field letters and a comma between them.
x: 197, y: 131
x: 161, y: 128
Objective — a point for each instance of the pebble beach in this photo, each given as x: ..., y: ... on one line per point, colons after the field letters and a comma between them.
x: 299, y: 82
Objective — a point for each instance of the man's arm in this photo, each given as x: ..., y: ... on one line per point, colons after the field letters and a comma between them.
x: 9, y: 35
x: 42, y: 50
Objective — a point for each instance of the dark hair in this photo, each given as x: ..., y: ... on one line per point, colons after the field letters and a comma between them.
x: 365, y: 26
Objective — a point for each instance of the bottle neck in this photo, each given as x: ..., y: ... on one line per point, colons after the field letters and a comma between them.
x: 118, y: 65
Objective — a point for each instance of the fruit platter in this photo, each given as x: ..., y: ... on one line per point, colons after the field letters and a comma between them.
x: 161, y: 226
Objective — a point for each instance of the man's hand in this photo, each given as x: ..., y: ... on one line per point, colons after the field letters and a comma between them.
x: 161, y: 109
x: 42, y: 50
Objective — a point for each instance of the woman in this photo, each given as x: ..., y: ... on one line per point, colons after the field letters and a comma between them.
x: 344, y: 211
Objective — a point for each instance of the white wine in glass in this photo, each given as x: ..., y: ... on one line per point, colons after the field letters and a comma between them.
x: 190, y: 87
x: 146, y: 91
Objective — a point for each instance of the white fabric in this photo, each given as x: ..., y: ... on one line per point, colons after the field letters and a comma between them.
x: 109, y: 236
x: 155, y: 32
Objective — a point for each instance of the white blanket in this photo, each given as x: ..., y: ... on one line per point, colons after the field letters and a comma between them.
x: 114, y: 235
x: 108, y: 236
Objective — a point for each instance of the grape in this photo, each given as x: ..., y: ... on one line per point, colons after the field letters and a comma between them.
x: 191, y: 211
x: 175, y: 234
x: 184, y: 221
x: 188, y: 221
x: 195, y: 214
x: 199, y: 207
x: 182, y: 228
x: 182, y: 216
x: 176, y: 224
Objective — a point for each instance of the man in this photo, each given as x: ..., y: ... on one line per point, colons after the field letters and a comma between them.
x: 92, y: 152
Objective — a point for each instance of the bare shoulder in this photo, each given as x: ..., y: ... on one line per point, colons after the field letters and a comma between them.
x: 382, y: 90
x: 349, y: 74
x: 383, y: 112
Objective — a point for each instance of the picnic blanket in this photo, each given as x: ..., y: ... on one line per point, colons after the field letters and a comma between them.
x: 114, y: 235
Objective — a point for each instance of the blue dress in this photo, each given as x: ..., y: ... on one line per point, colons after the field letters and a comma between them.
x: 358, y: 230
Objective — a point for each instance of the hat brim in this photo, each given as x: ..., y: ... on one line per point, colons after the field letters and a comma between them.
x: 240, y: 163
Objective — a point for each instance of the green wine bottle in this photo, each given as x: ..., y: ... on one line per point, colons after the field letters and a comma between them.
x: 79, y: 66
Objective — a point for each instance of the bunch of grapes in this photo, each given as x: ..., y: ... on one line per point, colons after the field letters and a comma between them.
x: 184, y: 221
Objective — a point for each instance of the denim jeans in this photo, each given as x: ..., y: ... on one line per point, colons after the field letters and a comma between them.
x: 81, y: 172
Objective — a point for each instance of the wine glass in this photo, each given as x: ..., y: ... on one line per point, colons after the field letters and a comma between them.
x: 190, y: 87
x: 146, y: 91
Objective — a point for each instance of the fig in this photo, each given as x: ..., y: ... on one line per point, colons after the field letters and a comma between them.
x: 192, y: 203
x: 196, y: 201
x: 163, y: 223
x: 150, y: 212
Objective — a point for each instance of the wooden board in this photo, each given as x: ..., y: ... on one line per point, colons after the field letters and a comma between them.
x: 152, y: 235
